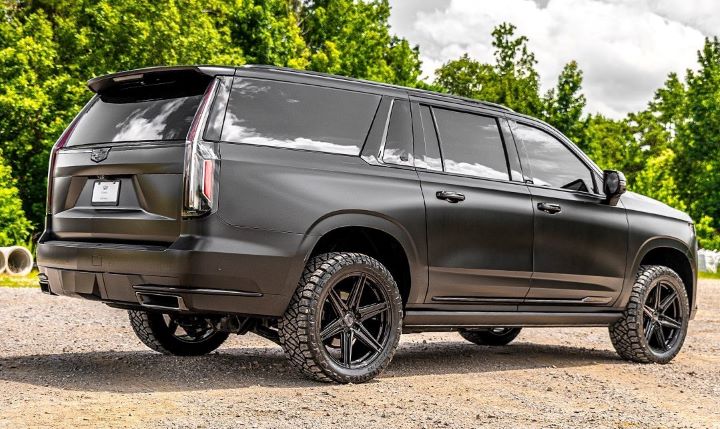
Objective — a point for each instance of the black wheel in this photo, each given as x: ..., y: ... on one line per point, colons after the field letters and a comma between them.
x: 655, y: 322
x: 173, y: 334
x: 490, y: 336
x: 344, y: 321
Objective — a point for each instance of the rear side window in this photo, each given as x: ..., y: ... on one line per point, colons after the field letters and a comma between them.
x: 430, y: 159
x: 551, y: 163
x: 159, y: 112
x: 297, y: 116
x: 471, y: 144
x: 399, y: 140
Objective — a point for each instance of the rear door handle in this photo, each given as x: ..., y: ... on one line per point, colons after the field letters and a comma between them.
x: 450, y: 196
x: 549, y: 208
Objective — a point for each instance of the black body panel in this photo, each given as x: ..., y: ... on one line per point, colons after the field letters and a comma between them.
x: 466, y: 250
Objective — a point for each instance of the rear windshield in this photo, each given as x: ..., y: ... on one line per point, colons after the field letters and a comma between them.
x: 135, y: 115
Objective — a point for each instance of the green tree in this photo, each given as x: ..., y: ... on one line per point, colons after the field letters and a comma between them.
x: 465, y: 77
x: 14, y: 227
x: 699, y: 135
x: 610, y: 143
x: 517, y: 85
x: 352, y: 38
x: 512, y: 80
x: 657, y: 180
x: 565, y: 103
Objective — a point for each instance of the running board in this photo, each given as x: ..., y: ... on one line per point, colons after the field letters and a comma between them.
x: 481, y: 319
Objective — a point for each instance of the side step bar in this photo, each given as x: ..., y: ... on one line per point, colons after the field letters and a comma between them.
x: 481, y: 319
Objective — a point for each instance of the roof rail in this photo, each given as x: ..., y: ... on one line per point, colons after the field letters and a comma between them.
x: 379, y: 84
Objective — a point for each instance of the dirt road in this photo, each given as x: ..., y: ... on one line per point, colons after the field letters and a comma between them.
x: 66, y: 362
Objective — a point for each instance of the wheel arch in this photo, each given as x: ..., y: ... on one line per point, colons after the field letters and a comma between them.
x: 671, y: 253
x: 377, y: 236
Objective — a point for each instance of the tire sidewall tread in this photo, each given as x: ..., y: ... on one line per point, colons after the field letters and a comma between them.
x: 627, y: 334
x: 299, y: 330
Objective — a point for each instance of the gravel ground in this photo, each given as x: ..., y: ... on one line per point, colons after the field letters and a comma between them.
x: 67, y: 362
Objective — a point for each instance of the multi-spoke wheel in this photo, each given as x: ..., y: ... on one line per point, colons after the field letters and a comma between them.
x: 654, y: 325
x: 496, y: 336
x: 175, y: 334
x: 344, y: 321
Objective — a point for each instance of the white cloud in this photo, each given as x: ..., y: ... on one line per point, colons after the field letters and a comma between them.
x: 626, y: 48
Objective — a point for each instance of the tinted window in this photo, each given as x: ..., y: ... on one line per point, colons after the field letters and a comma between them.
x: 398, y: 141
x: 551, y: 163
x: 297, y: 116
x: 430, y: 159
x: 116, y: 119
x: 471, y: 144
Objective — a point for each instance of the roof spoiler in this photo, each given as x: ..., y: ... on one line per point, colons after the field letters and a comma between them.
x: 154, y: 74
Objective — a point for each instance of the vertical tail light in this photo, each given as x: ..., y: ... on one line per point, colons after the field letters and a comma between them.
x: 59, y: 144
x: 201, y: 164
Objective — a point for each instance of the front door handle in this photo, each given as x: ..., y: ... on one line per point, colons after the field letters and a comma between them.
x: 549, y: 208
x: 450, y: 196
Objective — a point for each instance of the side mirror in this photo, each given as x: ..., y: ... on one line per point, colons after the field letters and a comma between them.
x: 614, y: 185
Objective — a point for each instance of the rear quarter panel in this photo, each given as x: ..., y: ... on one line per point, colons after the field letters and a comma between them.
x: 312, y: 193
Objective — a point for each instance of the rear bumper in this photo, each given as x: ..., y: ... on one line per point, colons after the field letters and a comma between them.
x: 253, y: 273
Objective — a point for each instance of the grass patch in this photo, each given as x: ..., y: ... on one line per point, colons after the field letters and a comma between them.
x: 715, y: 276
x: 31, y: 280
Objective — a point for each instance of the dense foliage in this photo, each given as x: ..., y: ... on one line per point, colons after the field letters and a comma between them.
x: 49, y: 48
x: 14, y: 227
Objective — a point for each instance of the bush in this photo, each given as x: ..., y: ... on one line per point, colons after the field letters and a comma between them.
x: 708, y: 237
x: 14, y: 226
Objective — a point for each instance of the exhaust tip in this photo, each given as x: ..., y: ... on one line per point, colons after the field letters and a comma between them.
x: 158, y: 301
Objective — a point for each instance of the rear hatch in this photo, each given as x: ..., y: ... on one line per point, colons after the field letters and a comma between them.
x: 116, y: 174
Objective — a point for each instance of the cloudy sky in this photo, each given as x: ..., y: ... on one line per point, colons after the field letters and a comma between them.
x: 625, y: 48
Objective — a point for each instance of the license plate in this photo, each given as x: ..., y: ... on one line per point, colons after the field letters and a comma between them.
x: 106, y: 193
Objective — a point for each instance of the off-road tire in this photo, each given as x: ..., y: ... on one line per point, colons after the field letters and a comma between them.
x: 151, y: 329
x: 628, y: 333
x: 299, y: 328
x: 486, y: 337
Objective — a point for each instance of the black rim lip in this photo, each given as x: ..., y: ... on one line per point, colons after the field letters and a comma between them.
x: 386, y: 322
x: 207, y: 334
x: 676, y: 333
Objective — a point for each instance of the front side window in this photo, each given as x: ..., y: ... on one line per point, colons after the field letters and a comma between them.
x: 471, y: 144
x: 399, y: 140
x: 298, y: 116
x: 551, y: 163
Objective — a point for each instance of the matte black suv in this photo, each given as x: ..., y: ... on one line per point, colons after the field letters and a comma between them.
x: 331, y: 214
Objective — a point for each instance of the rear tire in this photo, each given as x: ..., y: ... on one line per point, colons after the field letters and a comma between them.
x: 655, y: 322
x: 491, y: 336
x: 172, y: 334
x: 344, y: 321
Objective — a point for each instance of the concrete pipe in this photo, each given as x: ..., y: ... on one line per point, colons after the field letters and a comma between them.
x: 3, y: 263
x: 18, y: 260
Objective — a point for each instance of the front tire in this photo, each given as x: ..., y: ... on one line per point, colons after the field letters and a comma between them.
x: 173, y: 334
x: 344, y: 321
x: 490, y: 336
x: 655, y: 322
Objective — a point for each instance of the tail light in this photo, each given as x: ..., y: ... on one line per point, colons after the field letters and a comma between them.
x: 201, y: 164
x: 59, y: 144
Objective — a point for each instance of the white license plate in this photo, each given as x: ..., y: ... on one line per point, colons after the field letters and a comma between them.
x: 106, y: 193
